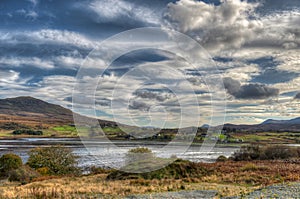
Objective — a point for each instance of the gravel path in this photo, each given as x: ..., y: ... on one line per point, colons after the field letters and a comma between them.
x: 284, y: 191
x: 281, y: 191
x: 178, y: 195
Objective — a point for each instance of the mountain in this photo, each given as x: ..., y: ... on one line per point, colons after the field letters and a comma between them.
x: 292, y: 125
x: 291, y: 122
x: 29, y: 111
x: 23, y: 105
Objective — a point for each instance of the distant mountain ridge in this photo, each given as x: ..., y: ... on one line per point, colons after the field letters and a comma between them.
x: 269, y: 125
x: 291, y: 121
x: 34, y: 112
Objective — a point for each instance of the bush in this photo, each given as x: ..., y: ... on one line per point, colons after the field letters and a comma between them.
x: 140, y: 150
x: 23, y: 174
x: 27, y: 132
x: 9, y: 162
x: 221, y: 158
x: 279, y: 152
x: 255, y: 152
x: 56, y: 160
x: 178, y: 169
x: 138, y: 154
x: 99, y: 170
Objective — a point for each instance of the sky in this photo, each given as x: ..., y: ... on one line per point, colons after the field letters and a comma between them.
x: 255, y: 46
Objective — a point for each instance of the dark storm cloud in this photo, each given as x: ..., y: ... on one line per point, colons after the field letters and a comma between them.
x: 249, y: 91
x: 232, y: 86
x: 151, y: 95
x: 256, y: 91
x: 297, y: 96
x: 138, y: 105
x: 141, y: 56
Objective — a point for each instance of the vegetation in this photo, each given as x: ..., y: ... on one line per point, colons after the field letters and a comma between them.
x: 27, y: 132
x: 222, y: 158
x: 269, y: 152
x: 227, y: 178
x: 54, y: 160
x: 179, y: 169
x: 24, y: 174
x: 9, y: 162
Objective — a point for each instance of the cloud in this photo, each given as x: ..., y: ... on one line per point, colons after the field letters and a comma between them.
x: 8, y: 76
x: 232, y: 86
x: 120, y: 11
x: 233, y: 24
x: 256, y: 91
x: 32, y: 61
x: 249, y: 91
x: 152, y: 95
x: 47, y: 36
x: 34, y: 2
x: 139, y: 105
x: 224, y: 26
x: 297, y: 96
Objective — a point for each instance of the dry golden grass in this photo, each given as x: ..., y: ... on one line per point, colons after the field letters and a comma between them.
x: 98, y: 186
x: 227, y: 178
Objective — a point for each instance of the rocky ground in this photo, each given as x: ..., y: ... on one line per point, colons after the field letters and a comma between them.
x: 286, y: 191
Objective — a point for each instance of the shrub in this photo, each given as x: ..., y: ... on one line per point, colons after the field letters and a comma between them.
x: 140, y: 150
x: 59, y: 160
x: 99, y: 170
x: 138, y: 155
x: 250, y: 152
x: 23, y: 174
x: 179, y: 169
x: 279, y: 152
x: 250, y: 167
x: 9, y: 162
x: 221, y: 158
x: 255, y: 152
x: 27, y: 132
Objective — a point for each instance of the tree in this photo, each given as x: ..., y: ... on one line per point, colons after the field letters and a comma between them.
x: 57, y: 160
x: 9, y: 162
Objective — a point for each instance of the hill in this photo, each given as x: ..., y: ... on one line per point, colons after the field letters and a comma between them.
x: 32, y: 112
x: 292, y: 125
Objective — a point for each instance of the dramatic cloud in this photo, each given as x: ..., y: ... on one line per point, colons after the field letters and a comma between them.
x: 254, y: 44
x: 256, y: 91
x: 234, y: 23
x: 230, y: 24
x: 142, y: 106
x: 232, y: 86
x: 249, y: 91
x: 152, y: 95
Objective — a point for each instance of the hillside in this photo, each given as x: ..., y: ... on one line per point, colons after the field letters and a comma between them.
x: 269, y: 125
x: 32, y: 112
x: 29, y: 112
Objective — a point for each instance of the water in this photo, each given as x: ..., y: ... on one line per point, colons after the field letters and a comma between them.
x: 102, y: 154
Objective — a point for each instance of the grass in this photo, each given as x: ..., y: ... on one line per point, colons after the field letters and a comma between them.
x: 97, y: 185
x: 227, y: 178
x: 268, y: 137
